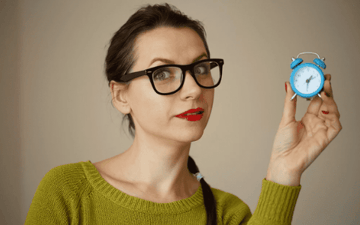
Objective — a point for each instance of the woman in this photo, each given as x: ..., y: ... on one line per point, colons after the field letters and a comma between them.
x: 159, y: 71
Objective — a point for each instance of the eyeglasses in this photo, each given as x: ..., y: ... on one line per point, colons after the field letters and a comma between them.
x: 168, y: 79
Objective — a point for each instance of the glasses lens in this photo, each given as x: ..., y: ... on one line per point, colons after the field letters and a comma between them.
x: 168, y: 79
x: 207, y: 73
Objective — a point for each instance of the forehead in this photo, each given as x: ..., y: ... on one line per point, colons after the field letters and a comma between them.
x: 177, y: 44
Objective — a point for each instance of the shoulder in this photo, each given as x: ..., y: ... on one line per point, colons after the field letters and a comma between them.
x: 66, y: 171
x: 230, y: 206
x: 227, y: 199
x: 58, y: 194
x: 64, y: 178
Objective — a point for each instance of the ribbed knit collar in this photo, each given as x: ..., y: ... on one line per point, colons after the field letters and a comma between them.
x: 133, y: 203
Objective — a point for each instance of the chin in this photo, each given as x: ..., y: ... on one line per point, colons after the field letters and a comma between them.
x: 189, y: 136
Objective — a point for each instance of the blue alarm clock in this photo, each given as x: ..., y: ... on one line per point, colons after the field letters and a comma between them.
x: 307, y: 79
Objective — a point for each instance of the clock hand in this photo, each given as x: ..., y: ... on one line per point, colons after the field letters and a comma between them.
x: 308, y: 80
x: 307, y: 87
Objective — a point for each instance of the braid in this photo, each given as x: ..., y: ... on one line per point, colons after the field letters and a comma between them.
x: 209, y: 200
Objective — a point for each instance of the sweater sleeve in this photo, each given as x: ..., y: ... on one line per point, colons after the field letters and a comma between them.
x: 49, y: 204
x: 275, y: 206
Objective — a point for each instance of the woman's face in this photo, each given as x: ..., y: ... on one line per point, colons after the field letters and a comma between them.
x: 155, y: 114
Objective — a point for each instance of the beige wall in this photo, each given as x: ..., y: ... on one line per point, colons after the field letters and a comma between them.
x: 56, y: 106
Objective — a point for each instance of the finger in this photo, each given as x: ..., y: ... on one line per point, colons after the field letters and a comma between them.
x: 327, y: 85
x: 334, y: 126
x: 289, y: 106
x: 328, y: 100
x: 315, y: 105
x: 329, y: 105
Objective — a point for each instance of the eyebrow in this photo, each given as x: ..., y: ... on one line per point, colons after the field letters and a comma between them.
x: 172, y: 62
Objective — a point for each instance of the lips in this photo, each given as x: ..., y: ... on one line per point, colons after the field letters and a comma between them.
x: 186, y: 113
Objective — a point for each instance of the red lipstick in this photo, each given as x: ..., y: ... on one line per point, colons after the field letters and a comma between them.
x: 192, y: 114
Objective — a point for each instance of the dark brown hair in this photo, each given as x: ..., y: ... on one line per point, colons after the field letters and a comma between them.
x: 120, y: 59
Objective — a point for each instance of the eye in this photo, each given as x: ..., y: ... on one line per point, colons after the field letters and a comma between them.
x: 166, y: 74
x: 161, y: 74
x: 201, y: 69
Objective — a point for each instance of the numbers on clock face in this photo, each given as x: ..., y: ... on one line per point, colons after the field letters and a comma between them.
x: 307, y: 80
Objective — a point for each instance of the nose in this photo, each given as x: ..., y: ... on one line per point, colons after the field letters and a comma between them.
x: 190, y: 87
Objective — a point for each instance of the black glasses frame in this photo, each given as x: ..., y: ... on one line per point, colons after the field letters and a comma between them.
x: 184, y: 68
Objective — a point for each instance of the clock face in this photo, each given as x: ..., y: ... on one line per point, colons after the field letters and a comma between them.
x: 307, y: 80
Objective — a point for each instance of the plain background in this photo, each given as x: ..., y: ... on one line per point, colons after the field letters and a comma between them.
x: 56, y: 104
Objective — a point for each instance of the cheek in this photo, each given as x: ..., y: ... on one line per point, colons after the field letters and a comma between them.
x: 149, y: 108
x: 207, y: 98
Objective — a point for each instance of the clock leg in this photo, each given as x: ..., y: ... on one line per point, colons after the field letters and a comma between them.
x: 319, y: 95
x: 293, y: 97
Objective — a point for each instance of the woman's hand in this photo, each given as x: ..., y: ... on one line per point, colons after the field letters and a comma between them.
x: 298, y: 143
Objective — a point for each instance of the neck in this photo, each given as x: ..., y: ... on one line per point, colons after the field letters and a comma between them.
x: 158, y: 167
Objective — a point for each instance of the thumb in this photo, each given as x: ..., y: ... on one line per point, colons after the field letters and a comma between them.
x: 289, y: 105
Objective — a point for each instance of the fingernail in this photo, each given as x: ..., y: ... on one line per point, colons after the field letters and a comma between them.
x: 285, y: 87
x: 325, y: 112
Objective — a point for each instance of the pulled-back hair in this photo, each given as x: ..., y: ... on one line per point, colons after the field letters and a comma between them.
x: 120, y: 60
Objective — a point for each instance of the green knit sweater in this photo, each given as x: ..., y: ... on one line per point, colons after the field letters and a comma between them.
x: 76, y: 193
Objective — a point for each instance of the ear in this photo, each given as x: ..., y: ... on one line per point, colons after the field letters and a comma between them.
x: 119, y: 96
